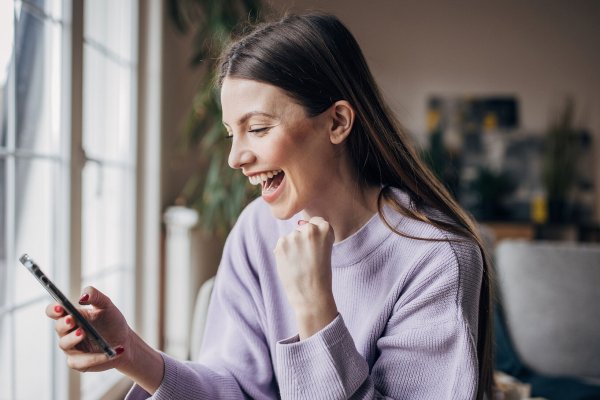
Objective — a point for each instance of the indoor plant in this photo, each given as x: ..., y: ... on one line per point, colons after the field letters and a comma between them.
x: 561, y: 148
x: 218, y: 193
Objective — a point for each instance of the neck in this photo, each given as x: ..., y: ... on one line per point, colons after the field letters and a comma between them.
x: 346, y: 208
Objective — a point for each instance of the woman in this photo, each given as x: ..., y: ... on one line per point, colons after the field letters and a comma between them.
x: 355, y: 275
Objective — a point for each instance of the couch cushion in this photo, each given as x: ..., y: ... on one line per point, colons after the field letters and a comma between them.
x: 551, y: 298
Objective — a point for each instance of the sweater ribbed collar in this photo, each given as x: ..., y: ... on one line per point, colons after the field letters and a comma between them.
x: 369, y: 237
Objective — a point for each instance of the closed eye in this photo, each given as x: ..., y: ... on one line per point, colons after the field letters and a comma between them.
x: 259, y: 130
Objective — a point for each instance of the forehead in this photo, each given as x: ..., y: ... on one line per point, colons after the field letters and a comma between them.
x: 242, y: 96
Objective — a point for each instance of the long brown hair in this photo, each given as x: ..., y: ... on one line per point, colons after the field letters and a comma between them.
x: 317, y: 61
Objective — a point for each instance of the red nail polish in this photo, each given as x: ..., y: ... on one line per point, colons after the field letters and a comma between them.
x: 302, y: 222
x: 58, y: 309
x: 78, y: 332
x: 119, y: 350
x: 84, y: 298
x: 68, y: 321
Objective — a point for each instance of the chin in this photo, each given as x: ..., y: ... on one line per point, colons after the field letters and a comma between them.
x: 283, y: 212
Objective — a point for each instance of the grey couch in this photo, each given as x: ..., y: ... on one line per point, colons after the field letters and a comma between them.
x: 550, y: 293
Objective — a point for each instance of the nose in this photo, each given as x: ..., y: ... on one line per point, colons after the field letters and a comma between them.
x: 240, y: 154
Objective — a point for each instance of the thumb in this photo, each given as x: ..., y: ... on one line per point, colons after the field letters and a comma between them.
x: 324, y: 226
x: 91, y: 295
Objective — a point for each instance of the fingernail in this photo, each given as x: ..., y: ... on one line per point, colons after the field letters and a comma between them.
x: 68, y: 321
x: 302, y: 222
x: 119, y: 350
x: 58, y: 309
x: 78, y: 332
x: 84, y: 298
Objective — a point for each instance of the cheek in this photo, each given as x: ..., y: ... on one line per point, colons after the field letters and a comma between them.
x: 299, y: 150
x: 276, y: 154
x: 306, y: 144
x: 284, y: 150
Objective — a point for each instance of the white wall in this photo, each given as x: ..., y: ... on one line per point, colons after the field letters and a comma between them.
x: 538, y: 50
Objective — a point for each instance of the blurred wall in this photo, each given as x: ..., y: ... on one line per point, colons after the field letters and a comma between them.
x: 539, y: 50
x: 180, y: 81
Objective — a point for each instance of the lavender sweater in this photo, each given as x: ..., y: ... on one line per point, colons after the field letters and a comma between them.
x: 406, y: 327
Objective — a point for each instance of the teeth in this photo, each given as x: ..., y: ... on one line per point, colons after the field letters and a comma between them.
x: 259, y: 178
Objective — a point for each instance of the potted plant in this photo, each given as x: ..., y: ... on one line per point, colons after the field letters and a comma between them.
x: 218, y: 193
x: 559, y: 171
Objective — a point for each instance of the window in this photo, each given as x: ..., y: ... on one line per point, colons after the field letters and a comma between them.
x: 70, y: 206
x: 108, y: 176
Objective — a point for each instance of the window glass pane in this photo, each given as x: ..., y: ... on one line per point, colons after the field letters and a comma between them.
x: 3, y: 231
x: 49, y: 8
x: 6, y: 44
x: 108, y: 219
x: 33, y: 339
x: 6, y: 353
x: 94, y: 386
x: 108, y: 23
x: 108, y: 229
x: 117, y: 285
x: 108, y: 114
x: 35, y: 223
x: 38, y: 54
x: 54, y: 8
x: 6, y: 358
x: 6, y: 51
x: 108, y: 181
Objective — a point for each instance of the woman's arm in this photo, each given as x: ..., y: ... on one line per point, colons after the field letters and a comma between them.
x: 235, y: 360
x: 304, y: 267
x: 150, y: 377
x: 425, y: 344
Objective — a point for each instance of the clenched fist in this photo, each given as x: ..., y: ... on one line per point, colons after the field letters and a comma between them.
x: 304, y: 265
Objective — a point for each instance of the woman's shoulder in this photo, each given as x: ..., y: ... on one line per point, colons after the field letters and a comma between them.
x: 435, y: 261
x: 433, y: 238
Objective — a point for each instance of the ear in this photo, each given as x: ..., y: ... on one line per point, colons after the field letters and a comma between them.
x: 342, y: 118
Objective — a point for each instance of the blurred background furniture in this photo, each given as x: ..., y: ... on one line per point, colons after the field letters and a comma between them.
x: 547, y: 322
x: 199, y: 317
x: 180, y: 288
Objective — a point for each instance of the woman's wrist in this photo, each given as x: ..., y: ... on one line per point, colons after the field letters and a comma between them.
x: 143, y: 364
x: 312, y: 320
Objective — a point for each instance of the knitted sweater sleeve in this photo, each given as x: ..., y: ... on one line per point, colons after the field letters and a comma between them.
x: 427, y: 350
x: 235, y: 361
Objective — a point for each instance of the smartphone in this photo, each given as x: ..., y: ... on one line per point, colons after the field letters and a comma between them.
x: 68, y: 306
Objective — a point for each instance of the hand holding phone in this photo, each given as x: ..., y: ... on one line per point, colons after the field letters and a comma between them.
x: 92, y: 333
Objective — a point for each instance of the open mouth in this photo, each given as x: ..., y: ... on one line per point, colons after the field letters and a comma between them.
x: 271, y: 184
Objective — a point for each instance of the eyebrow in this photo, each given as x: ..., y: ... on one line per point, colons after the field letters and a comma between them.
x: 246, y: 116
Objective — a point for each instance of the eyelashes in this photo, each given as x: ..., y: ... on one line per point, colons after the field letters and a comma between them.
x: 259, y: 130
x: 254, y: 131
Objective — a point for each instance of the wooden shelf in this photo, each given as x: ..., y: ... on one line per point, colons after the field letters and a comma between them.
x: 510, y: 230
